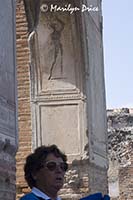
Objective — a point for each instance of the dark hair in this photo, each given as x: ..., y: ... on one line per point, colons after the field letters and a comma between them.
x: 35, y: 161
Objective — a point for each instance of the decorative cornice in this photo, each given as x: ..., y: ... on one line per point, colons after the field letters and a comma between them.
x: 59, y: 98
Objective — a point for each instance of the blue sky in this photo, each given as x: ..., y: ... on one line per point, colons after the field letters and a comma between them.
x: 118, y: 52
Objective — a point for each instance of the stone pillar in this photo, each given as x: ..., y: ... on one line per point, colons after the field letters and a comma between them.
x: 8, y: 125
x: 67, y: 88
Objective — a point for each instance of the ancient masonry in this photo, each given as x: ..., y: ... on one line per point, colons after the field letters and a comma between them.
x: 61, y: 95
x: 8, y: 125
x: 23, y: 82
x: 120, y: 144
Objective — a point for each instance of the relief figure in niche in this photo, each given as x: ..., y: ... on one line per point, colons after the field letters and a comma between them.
x: 57, y: 26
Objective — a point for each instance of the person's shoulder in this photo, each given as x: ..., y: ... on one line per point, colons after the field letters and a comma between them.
x: 29, y: 196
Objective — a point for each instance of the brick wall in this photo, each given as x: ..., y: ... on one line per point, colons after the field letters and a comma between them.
x: 83, y: 178
x: 24, y: 110
x: 126, y: 182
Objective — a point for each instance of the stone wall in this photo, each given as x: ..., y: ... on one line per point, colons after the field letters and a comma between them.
x: 8, y: 99
x: 7, y: 169
x: 23, y: 79
x: 120, y: 144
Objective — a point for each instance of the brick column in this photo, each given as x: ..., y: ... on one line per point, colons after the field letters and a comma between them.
x: 24, y: 110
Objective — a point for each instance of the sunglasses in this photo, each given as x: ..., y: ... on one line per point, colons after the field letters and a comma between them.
x: 52, y: 165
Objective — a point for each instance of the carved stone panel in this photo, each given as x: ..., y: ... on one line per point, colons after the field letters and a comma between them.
x: 57, y: 53
x: 60, y: 124
x: 56, y: 80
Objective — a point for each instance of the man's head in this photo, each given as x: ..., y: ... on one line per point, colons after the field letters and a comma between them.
x: 45, y: 168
